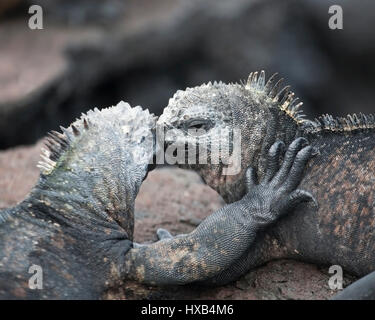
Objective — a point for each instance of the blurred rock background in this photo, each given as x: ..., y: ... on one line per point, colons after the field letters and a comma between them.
x: 93, y: 53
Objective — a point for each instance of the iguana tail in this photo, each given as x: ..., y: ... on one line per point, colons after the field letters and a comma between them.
x: 362, y: 289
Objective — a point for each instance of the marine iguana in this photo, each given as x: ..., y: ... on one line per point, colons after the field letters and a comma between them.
x: 341, y: 177
x: 77, y: 222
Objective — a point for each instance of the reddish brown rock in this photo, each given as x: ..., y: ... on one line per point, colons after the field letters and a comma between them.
x: 18, y: 173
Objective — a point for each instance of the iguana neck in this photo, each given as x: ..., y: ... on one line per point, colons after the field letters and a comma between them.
x: 259, y: 130
x: 89, y: 202
x: 277, y: 126
x: 67, y: 235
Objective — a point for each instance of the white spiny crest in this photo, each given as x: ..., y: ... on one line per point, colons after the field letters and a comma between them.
x: 286, y: 101
x: 349, y: 123
x: 280, y: 97
x: 133, y: 123
x: 284, y: 98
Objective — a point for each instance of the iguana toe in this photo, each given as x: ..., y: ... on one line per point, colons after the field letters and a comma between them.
x: 163, y: 234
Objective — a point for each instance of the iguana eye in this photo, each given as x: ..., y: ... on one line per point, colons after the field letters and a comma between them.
x: 198, y: 124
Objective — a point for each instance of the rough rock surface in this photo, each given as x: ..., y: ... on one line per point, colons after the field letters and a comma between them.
x: 177, y: 200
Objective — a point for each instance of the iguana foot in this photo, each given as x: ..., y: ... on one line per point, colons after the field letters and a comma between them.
x: 163, y: 234
x: 138, y: 245
x: 276, y: 194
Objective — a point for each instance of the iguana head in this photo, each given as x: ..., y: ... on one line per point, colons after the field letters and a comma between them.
x: 93, y: 169
x: 251, y: 115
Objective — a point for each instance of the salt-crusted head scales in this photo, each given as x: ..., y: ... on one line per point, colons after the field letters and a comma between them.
x: 198, y: 97
x: 224, y: 98
x: 130, y: 126
x: 95, y: 167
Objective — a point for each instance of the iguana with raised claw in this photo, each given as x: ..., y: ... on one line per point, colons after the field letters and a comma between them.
x: 341, y: 177
x: 75, y: 228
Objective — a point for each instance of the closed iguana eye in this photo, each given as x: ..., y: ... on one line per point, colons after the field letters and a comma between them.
x: 199, y: 124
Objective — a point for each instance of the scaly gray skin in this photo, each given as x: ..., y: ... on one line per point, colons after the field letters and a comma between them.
x: 77, y: 223
x: 341, y: 177
x: 363, y: 289
x: 223, y: 237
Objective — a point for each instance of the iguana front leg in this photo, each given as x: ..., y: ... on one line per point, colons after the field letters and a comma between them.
x: 225, y: 235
